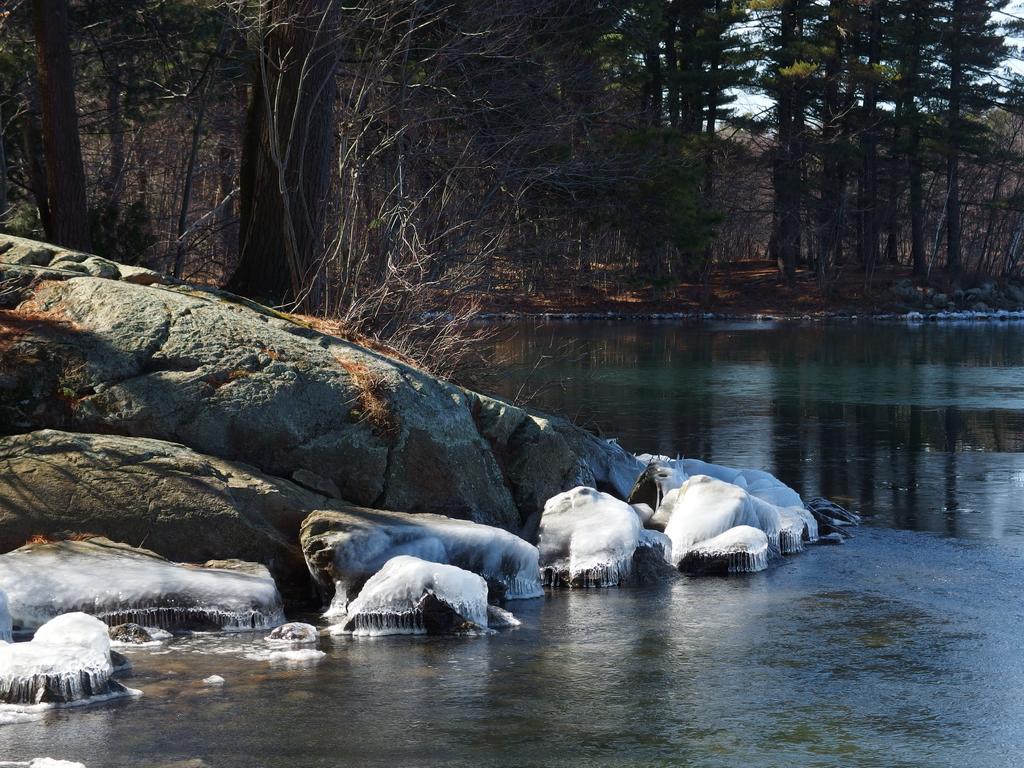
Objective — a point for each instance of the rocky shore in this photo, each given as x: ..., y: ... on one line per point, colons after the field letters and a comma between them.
x: 173, y: 457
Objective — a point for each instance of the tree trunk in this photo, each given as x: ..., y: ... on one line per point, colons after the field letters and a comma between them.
x: 868, y: 207
x: 786, y: 174
x: 830, y: 208
x: 286, y: 154
x: 68, y: 214
x: 669, y: 29
x: 953, y: 259
x: 653, y: 87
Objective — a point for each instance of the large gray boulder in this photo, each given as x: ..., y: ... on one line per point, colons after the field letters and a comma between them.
x: 181, y: 504
x: 83, y: 349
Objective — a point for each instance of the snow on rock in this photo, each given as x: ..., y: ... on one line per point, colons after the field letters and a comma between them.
x: 413, y: 596
x: 120, y: 584
x: 67, y: 660
x: 295, y: 633
x: 5, y: 619
x: 347, y: 547
x: 742, y: 549
x: 588, y: 539
x: 44, y: 762
x: 213, y: 680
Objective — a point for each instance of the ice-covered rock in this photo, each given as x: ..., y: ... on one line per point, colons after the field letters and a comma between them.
x: 704, y: 508
x: 589, y: 539
x: 294, y: 633
x: 742, y: 549
x: 413, y: 596
x: 67, y: 660
x: 5, y: 619
x: 121, y: 584
x: 499, y: 618
x: 662, y: 474
x: 343, y: 549
x: 76, y: 629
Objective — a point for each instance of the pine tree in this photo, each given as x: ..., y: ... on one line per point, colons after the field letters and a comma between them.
x: 972, y: 48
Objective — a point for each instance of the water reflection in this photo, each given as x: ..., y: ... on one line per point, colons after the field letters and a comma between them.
x: 921, y: 426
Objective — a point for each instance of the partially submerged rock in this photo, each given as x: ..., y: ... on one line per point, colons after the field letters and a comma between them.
x: 410, y: 596
x: 130, y: 634
x: 121, y: 584
x: 294, y: 633
x: 67, y: 660
x: 344, y: 548
x: 591, y: 539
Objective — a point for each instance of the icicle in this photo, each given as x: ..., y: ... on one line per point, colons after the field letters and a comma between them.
x: 6, y: 635
x: 742, y: 549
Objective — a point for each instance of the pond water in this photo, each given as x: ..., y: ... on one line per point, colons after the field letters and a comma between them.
x: 900, y: 648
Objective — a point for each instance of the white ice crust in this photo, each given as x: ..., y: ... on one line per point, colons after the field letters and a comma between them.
x: 119, y: 585
x: 387, y: 603
x: 589, y: 537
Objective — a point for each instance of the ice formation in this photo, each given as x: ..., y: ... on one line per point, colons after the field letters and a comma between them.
x: 122, y: 585
x: 644, y: 512
x: 67, y: 660
x: 742, y: 549
x: 704, y: 508
x: 296, y: 655
x: 5, y: 619
x: 588, y: 538
x: 294, y: 633
x: 667, y: 474
x: 657, y: 541
x: 492, y: 553
x: 414, y: 596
